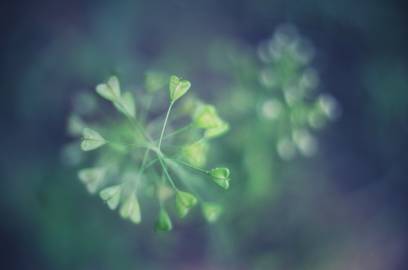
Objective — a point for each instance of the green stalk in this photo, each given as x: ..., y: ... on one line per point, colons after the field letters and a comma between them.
x: 191, y: 166
x: 142, y: 166
x: 167, y: 173
x: 180, y: 130
x: 165, y: 123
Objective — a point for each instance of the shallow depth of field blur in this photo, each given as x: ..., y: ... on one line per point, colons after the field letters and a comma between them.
x: 317, y: 147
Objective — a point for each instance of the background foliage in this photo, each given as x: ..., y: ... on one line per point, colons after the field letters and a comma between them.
x: 343, y: 208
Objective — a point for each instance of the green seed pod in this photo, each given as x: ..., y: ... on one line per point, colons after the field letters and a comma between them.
x: 221, y: 177
x: 220, y: 173
x: 130, y: 209
x: 207, y: 117
x: 184, y: 202
x: 163, y: 222
x: 178, y: 88
x: 224, y: 183
x: 92, y: 178
x: 91, y: 140
x: 109, y: 90
x: 211, y: 211
x: 196, y: 153
x: 111, y: 195
x: 217, y: 131
x: 182, y: 211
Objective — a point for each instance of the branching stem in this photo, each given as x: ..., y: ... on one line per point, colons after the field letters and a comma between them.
x: 166, y: 172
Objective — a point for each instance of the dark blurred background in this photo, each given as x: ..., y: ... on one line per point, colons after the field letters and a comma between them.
x: 353, y: 218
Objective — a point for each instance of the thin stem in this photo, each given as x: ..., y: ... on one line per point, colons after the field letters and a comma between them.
x: 135, y: 145
x: 180, y: 130
x: 150, y: 163
x: 142, y: 166
x: 167, y: 173
x: 191, y: 166
x: 165, y: 123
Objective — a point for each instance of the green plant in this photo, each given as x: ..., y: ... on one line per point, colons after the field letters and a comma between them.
x: 135, y: 156
x: 292, y: 103
x: 281, y: 108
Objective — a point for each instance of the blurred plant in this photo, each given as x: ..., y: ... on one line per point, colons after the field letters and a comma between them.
x: 135, y: 157
x: 293, y: 107
x: 273, y: 96
x: 272, y: 100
